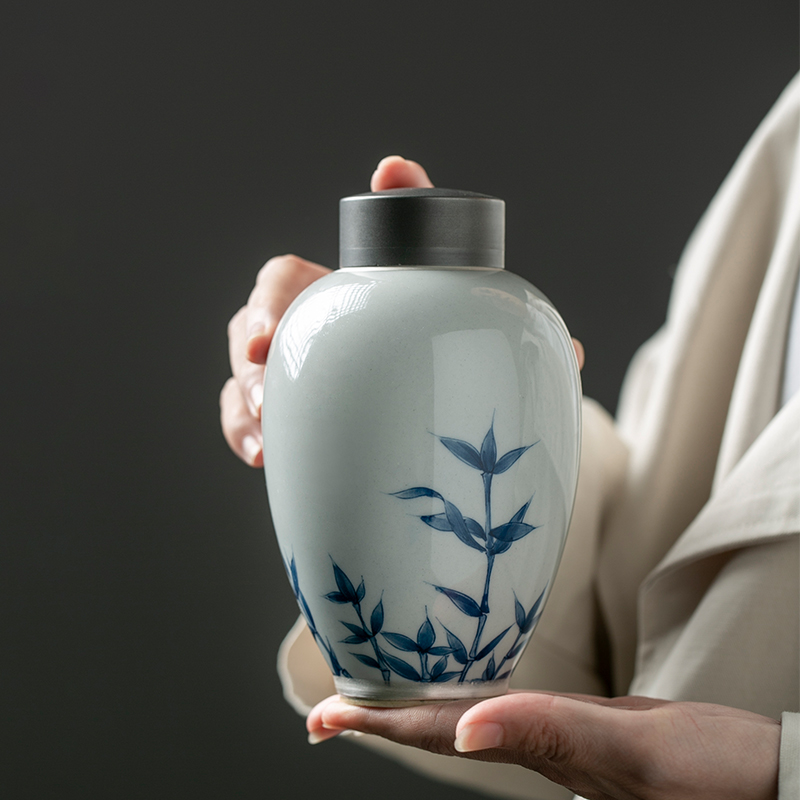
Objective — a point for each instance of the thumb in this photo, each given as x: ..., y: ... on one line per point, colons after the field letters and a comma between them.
x: 396, y: 172
x: 567, y: 733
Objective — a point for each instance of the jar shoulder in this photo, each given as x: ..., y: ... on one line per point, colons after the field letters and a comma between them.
x: 365, y: 316
x: 477, y: 292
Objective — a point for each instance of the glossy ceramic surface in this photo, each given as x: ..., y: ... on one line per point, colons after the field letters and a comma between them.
x: 421, y: 440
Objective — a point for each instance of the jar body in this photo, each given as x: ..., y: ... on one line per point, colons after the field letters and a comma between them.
x: 421, y: 443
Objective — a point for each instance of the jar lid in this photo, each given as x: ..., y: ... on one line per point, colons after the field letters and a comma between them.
x: 422, y: 228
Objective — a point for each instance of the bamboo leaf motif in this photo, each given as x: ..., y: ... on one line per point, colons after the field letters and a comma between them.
x: 532, y: 615
x: 525, y: 623
x: 516, y: 649
x: 291, y: 571
x: 425, y: 636
x: 346, y: 588
x: 447, y: 676
x: 520, y: 515
x: 519, y: 613
x: 376, y: 619
x: 357, y: 638
x: 416, y: 491
x: 337, y: 667
x: 456, y: 521
x: 474, y: 527
x: 306, y: 610
x: 498, y: 546
x: 401, y: 642
x: 489, y: 672
x: 293, y: 575
x: 367, y: 660
x: 438, y: 668
x: 510, y: 458
x: 463, y: 451
x: 459, y: 650
x: 336, y: 597
x: 461, y: 601
x: 437, y: 521
x: 489, y: 451
x: 489, y: 647
x: 361, y: 591
x: 355, y: 629
x: 324, y: 644
x: 512, y: 531
x: 402, y: 668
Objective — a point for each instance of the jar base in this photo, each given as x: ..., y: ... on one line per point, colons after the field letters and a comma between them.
x: 364, y: 693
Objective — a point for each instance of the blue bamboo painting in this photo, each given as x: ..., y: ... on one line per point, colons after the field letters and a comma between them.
x: 424, y: 644
x: 437, y: 662
x: 489, y: 540
x: 323, y: 644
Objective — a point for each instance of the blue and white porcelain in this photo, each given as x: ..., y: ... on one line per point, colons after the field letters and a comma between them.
x: 421, y: 441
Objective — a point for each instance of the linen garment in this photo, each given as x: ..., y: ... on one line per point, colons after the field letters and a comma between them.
x: 680, y: 578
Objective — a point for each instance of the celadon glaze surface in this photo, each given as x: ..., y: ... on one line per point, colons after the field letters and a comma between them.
x: 421, y: 443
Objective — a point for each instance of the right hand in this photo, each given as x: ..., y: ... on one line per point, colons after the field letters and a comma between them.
x: 251, y: 329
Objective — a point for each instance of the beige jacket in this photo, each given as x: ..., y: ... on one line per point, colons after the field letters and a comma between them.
x: 681, y: 574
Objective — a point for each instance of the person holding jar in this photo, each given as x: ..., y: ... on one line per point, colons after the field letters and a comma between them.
x: 666, y: 663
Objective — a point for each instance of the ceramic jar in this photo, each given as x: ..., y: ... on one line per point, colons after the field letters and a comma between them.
x: 421, y: 428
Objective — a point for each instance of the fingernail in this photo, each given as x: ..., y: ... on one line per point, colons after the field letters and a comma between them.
x: 256, y: 329
x: 251, y: 447
x: 315, y: 737
x: 257, y: 395
x: 479, y: 737
x: 388, y: 158
x: 333, y: 713
x: 261, y: 322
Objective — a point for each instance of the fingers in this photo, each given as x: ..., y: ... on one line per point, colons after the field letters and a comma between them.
x: 250, y: 333
x: 248, y: 375
x: 439, y: 727
x: 317, y: 731
x: 241, y: 429
x: 396, y: 172
x: 580, y: 353
x: 278, y: 283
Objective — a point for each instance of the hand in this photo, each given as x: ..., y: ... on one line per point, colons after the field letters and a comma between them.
x: 251, y: 329
x: 620, y: 748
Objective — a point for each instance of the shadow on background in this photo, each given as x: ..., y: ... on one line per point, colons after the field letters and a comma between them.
x: 153, y: 159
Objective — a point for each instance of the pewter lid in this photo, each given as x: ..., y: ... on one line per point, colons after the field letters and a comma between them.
x: 421, y: 227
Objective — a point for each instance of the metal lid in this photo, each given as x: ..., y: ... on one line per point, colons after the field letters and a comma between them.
x: 422, y: 227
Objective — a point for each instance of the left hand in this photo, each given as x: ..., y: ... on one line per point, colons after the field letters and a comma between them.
x: 621, y: 748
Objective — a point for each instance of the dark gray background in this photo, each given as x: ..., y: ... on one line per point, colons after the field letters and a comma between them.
x: 152, y: 158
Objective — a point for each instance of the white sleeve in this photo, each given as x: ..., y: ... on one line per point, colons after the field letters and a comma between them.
x: 789, y: 765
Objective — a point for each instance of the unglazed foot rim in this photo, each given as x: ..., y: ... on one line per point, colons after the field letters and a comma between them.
x: 361, y: 693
